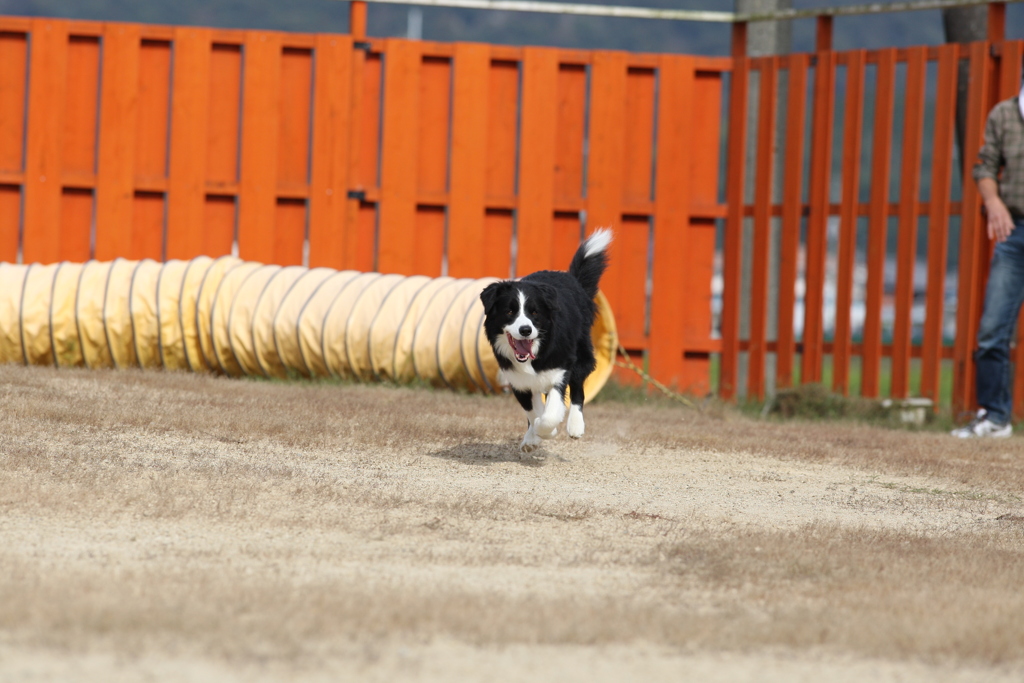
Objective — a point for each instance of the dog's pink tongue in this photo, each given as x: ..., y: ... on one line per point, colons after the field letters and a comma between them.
x: 522, y: 347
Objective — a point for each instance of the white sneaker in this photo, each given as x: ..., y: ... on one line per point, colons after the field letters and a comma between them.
x: 981, y: 426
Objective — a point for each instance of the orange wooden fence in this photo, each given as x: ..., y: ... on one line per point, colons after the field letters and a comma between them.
x: 471, y: 160
x: 886, y: 195
x: 391, y: 155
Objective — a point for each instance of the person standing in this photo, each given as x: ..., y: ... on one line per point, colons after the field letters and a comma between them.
x: 1003, y: 197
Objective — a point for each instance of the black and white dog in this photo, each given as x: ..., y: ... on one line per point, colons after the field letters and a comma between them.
x: 539, y: 327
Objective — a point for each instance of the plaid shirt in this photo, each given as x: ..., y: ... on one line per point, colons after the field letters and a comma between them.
x: 1004, y: 147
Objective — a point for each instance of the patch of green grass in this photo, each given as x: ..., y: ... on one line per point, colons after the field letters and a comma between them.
x: 616, y: 392
x: 817, y: 402
x: 855, y: 376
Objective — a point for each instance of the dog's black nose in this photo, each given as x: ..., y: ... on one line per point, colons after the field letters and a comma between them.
x: 525, y: 330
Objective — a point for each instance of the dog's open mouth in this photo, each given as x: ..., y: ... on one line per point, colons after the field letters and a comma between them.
x: 522, y: 348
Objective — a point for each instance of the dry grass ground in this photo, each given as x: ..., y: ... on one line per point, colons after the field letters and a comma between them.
x: 176, y: 527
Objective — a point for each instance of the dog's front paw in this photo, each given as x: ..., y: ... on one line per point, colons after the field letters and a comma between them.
x: 545, y: 428
x: 574, y: 425
x: 530, y: 442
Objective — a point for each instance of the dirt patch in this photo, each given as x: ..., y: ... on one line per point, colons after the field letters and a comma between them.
x: 175, y: 526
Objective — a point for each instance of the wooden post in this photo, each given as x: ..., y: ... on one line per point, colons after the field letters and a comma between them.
x: 789, y: 241
x: 938, y: 220
x: 357, y: 19
x: 847, y: 247
x: 819, y: 185
x: 729, y: 373
x: 823, y: 34
x: 996, y: 22
x: 971, y: 235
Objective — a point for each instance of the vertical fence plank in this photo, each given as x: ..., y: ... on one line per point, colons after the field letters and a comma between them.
x: 910, y: 190
x: 604, y: 187
x: 368, y: 95
x: 223, y: 140
x: 115, y: 183
x: 847, y: 247
x: 503, y: 110
x: 702, y: 233
x: 10, y: 219
x: 78, y: 156
x: 398, y: 174
x: 570, y: 127
x: 223, y: 123
x: 42, y: 188
x: 364, y: 167
x: 537, y: 154
x: 673, y: 259
x: 151, y: 141
x: 732, y: 264
x: 972, y: 233
x: 79, y: 145
x: 186, y: 175
x: 329, y: 169
x: 631, y: 255
x: 878, y: 221
x: 257, y: 187
x: 818, y: 195
x: 434, y: 122
x: 146, y: 228
x: 466, y: 208
x: 294, y: 150
x: 938, y: 220
x: 154, y: 93
x: 705, y: 157
x: 629, y: 282
x: 569, y: 132
x: 638, y: 155
x: 497, y: 257
x: 429, y: 231
x: 289, y: 231
x: 433, y: 137
x: 296, y: 96
x: 762, y: 225
x: 14, y: 57
x: 791, y: 211
x: 220, y: 213
x: 76, y: 210
x: 357, y: 103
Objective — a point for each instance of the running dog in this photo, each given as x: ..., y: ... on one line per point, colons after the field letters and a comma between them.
x: 539, y: 327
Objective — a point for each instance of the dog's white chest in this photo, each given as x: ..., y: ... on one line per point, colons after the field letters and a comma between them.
x: 523, y: 377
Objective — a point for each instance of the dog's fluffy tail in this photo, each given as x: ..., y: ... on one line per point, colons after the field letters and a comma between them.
x: 590, y: 260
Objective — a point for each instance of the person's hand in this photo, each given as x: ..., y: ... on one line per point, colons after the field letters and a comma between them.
x: 1000, y: 223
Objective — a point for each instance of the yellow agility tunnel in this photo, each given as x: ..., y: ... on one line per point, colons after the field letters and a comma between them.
x: 244, y: 318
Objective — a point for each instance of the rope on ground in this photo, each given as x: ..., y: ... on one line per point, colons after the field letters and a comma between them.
x: 630, y: 365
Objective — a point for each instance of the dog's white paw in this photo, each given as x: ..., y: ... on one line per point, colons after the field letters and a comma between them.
x: 530, y: 442
x: 574, y: 425
x: 545, y: 427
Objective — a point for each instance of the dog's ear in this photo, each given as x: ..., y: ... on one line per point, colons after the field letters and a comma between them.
x: 489, y: 296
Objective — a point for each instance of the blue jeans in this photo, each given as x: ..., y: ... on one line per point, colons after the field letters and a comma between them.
x: 1003, y: 298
